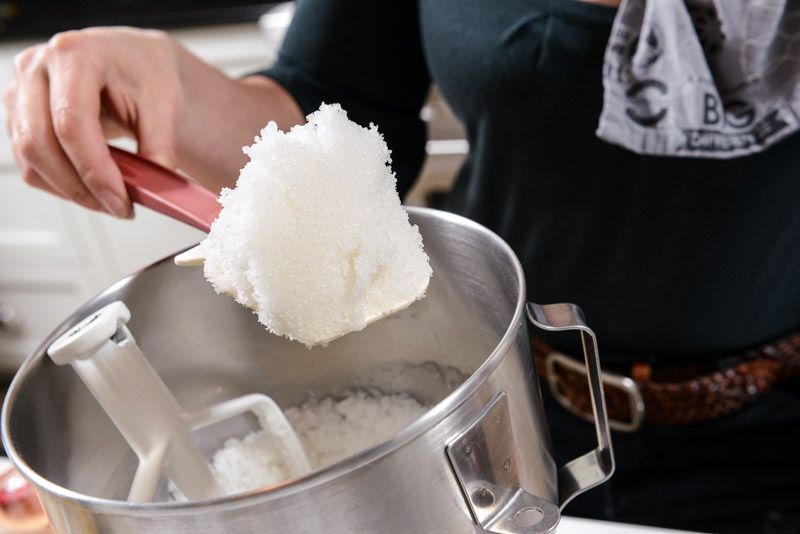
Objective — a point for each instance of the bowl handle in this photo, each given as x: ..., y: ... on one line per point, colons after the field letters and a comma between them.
x: 597, y: 465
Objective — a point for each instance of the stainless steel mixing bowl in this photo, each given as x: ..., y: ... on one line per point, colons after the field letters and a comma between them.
x: 479, y: 461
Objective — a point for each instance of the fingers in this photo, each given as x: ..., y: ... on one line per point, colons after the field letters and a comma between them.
x: 156, y: 134
x: 41, y: 161
x: 112, y: 128
x: 34, y: 179
x: 74, y: 104
x: 78, y: 89
x: 37, y: 152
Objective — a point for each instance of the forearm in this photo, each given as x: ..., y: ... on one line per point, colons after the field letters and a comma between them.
x: 219, y: 115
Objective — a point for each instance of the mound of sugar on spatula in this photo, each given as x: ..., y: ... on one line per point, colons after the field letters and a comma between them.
x: 313, y: 237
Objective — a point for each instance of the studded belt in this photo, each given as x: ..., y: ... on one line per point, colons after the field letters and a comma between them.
x: 643, y: 393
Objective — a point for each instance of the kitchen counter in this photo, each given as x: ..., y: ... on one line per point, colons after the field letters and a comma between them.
x: 576, y: 525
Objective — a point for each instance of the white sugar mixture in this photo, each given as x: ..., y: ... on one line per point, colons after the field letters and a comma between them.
x: 313, y: 237
x: 329, y: 431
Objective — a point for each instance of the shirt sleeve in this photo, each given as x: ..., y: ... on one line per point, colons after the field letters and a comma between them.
x: 366, y: 56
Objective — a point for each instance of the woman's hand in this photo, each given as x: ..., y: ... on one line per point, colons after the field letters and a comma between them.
x: 84, y: 87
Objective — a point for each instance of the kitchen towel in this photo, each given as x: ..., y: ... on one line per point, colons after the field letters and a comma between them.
x: 702, y: 78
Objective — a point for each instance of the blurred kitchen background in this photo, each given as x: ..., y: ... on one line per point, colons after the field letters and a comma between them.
x: 54, y: 255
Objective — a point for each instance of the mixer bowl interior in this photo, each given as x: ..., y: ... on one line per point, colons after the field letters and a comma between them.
x: 207, y: 349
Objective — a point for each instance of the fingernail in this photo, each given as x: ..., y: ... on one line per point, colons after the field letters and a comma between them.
x: 113, y: 204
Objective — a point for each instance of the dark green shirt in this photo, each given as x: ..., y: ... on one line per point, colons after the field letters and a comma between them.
x: 679, y: 257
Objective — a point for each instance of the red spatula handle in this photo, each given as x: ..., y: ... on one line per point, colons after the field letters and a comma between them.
x: 166, y: 192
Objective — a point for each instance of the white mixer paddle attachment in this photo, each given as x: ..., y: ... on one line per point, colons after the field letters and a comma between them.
x: 104, y: 354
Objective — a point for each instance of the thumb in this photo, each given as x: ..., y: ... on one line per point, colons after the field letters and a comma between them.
x: 156, y: 134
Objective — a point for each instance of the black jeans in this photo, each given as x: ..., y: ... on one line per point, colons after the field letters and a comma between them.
x: 737, y: 474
